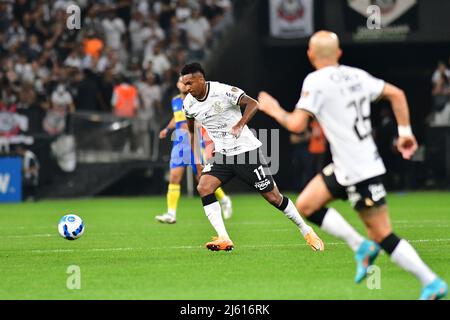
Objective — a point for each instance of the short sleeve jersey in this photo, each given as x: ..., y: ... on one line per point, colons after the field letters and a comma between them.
x: 218, y: 112
x: 339, y: 97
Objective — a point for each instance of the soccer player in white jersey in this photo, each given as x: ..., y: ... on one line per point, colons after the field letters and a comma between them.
x: 216, y: 107
x: 339, y: 98
x: 181, y: 150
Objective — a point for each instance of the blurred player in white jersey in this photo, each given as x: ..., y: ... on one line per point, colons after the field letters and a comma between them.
x: 339, y: 98
x: 217, y: 107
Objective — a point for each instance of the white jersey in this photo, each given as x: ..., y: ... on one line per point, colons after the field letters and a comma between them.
x: 218, y: 112
x: 339, y: 97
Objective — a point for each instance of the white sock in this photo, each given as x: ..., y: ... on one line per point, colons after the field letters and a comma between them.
x: 407, y: 258
x: 336, y: 225
x: 214, y: 214
x: 224, y: 200
x: 172, y: 213
x: 292, y: 213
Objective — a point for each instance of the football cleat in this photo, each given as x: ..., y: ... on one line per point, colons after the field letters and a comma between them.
x: 227, y: 208
x: 314, y: 241
x: 166, y: 218
x: 436, y: 290
x: 220, y: 243
x: 365, y: 256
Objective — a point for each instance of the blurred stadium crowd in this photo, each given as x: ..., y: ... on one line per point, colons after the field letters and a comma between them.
x: 121, y: 63
x: 48, y: 71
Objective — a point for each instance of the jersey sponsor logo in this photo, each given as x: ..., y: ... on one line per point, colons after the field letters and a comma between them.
x: 261, y: 185
x: 220, y: 134
x: 225, y: 151
x: 218, y: 127
x: 232, y: 96
x: 343, y: 75
x: 207, y: 167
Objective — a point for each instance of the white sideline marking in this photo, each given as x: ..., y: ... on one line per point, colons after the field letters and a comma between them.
x: 87, y: 250
x: 112, y: 249
x: 201, y: 247
x: 438, y: 223
x: 47, y: 235
x: 43, y: 235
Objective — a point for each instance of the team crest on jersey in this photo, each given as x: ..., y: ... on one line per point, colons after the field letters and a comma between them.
x: 217, y: 107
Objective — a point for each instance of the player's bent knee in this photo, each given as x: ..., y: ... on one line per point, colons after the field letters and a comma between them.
x: 203, y: 190
x: 304, y: 208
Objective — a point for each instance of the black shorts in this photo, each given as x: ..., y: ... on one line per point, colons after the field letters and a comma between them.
x: 251, y: 167
x: 365, y: 194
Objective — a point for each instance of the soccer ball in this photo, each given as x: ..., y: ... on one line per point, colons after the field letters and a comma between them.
x: 71, y: 227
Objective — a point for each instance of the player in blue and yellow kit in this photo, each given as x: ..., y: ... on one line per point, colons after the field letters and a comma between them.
x: 181, y: 157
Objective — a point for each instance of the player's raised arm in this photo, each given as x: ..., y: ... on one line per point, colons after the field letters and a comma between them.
x: 296, y: 121
x: 406, y: 143
x: 251, y: 107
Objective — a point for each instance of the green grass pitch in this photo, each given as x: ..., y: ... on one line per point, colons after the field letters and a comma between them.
x: 125, y: 254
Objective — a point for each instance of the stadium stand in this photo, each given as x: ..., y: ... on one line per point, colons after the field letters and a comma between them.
x: 59, y: 84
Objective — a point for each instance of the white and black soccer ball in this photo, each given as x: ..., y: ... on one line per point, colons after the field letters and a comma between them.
x: 71, y: 227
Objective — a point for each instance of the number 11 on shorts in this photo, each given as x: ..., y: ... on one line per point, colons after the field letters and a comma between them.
x: 260, y: 168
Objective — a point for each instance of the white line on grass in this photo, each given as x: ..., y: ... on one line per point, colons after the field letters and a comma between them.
x: 43, y: 235
x: 84, y: 250
x: 201, y: 247
x: 438, y: 223
x: 48, y: 235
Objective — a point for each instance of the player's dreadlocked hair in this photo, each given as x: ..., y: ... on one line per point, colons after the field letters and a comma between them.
x: 192, y: 68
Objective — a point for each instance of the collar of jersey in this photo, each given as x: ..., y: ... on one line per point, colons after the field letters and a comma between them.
x: 207, y: 93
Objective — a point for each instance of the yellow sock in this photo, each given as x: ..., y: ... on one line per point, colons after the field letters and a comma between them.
x: 173, y: 194
x: 220, y: 194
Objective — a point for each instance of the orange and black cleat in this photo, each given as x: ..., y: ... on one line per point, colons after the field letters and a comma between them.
x: 220, y: 243
x: 314, y: 241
